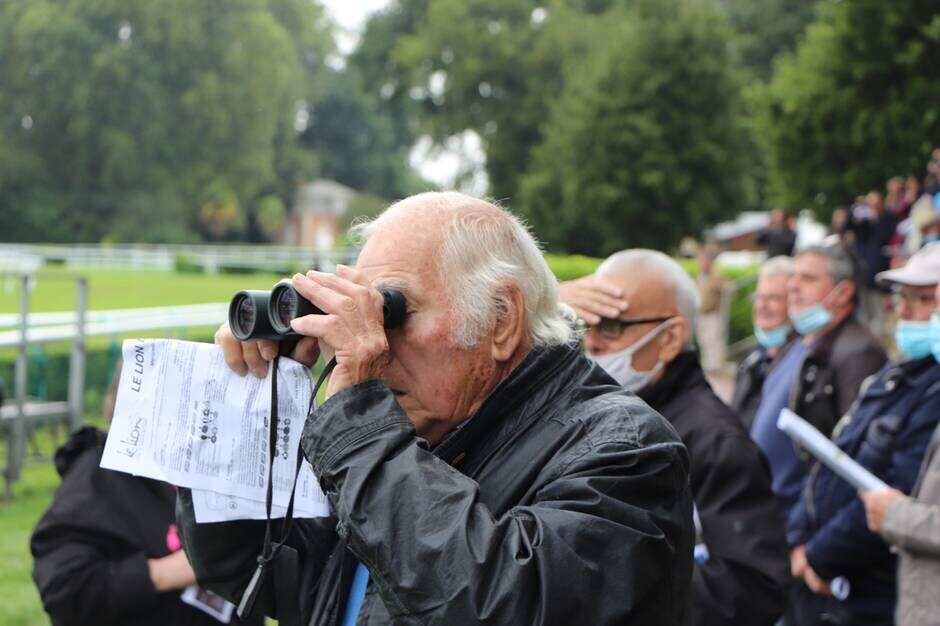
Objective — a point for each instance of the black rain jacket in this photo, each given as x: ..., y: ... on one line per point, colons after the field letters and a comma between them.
x: 563, y: 500
x: 747, y: 573
x: 832, y: 373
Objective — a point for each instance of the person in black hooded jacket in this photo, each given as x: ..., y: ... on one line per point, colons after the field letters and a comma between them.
x: 106, y: 552
x: 741, y: 573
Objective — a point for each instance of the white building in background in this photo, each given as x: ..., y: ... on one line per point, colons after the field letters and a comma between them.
x: 740, y: 235
x: 313, y: 220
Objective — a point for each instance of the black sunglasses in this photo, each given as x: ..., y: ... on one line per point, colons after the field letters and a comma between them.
x: 612, y: 329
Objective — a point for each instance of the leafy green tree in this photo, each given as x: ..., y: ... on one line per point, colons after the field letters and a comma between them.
x: 766, y: 28
x: 647, y: 141
x: 270, y: 215
x: 856, y: 103
x: 104, y: 100
x: 386, y: 81
x: 355, y: 142
x: 446, y: 66
x: 152, y: 216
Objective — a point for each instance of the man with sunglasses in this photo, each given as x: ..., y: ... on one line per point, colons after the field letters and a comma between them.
x: 640, y: 309
x: 887, y: 431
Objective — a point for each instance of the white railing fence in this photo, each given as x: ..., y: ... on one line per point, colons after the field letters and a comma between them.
x: 23, y: 257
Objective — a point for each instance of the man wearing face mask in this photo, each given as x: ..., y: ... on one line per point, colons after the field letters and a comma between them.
x: 886, y: 431
x: 912, y: 523
x: 819, y: 375
x: 640, y: 307
x: 772, y: 330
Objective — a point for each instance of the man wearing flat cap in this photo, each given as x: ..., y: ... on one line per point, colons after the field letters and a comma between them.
x: 886, y: 431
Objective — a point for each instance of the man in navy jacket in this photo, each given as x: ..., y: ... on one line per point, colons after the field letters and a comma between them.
x: 848, y: 572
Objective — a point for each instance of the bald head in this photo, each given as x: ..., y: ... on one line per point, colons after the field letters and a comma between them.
x: 438, y: 209
x: 656, y: 326
x: 480, y: 250
x: 653, y: 281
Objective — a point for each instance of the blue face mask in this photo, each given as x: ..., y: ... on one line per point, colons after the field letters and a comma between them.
x: 913, y: 338
x: 811, y: 319
x: 935, y: 335
x: 773, y: 338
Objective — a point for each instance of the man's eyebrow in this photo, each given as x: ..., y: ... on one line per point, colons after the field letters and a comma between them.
x: 391, y: 283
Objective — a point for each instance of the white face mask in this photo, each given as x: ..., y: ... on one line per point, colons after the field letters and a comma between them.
x: 620, y: 364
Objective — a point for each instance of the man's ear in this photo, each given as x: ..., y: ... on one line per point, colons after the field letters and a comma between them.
x: 847, y: 294
x: 510, y: 330
x: 672, y: 339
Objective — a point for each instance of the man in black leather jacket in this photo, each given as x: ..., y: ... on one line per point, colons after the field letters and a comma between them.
x: 741, y: 572
x: 479, y: 468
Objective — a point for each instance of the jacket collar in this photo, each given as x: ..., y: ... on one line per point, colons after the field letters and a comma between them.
x: 912, y: 373
x: 755, y: 357
x: 822, y: 347
x: 534, y: 382
x: 683, y: 373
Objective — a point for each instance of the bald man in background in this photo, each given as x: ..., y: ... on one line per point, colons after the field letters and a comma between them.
x: 640, y: 309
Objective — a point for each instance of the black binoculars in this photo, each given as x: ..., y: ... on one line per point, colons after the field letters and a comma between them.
x: 267, y: 314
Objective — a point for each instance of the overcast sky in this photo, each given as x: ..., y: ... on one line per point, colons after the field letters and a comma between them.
x: 351, y: 15
x: 439, y: 165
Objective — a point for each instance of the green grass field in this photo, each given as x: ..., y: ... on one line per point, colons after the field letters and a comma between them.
x: 107, y: 289
x: 32, y: 494
x: 115, y: 289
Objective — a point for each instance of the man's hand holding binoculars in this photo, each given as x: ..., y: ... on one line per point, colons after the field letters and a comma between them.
x: 349, y: 324
x: 352, y: 329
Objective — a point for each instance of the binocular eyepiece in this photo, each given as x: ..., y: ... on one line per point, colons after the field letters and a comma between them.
x: 267, y: 314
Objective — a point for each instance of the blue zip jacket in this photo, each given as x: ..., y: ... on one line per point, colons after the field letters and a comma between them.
x: 886, y: 431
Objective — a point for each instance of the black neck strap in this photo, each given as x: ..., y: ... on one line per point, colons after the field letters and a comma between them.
x: 270, y: 550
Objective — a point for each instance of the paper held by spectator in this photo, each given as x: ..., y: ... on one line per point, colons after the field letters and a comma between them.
x: 309, y: 501
x: 827, y: 452
x: 183, y: 417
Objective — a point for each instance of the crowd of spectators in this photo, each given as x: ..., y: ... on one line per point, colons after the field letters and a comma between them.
x: 823, y: 322
x: 761, y: 501
x: 820, y: 317
x: 884, y: 229
x: 467, y: 470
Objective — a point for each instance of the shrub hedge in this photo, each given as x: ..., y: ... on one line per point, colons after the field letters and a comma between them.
x: 48, y: 367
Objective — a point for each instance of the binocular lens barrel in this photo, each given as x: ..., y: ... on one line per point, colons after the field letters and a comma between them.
x: 267, y: 314
x: 248, y: 316
x: 286, y: 304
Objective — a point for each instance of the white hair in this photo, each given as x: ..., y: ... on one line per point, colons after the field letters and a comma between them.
x: 780, y: 265
x: 671, y: 273
x: 484, y: 248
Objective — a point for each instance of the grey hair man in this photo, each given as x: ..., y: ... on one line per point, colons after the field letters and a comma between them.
x: 470, y: 455
x: 741, y: 568
x: 818, y: 375
x: 772, y: 330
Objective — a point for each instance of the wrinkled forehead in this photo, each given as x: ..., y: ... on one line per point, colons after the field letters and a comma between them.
x: 404, y: 253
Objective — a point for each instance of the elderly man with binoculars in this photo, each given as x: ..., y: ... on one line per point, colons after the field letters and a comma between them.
x: 478, y: 466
